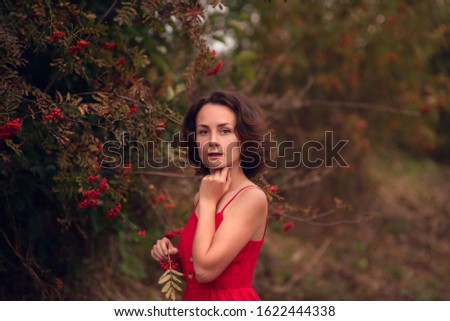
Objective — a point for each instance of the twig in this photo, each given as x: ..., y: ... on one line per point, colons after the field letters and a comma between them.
x: 268, y: 75
x: 359, y: 105
x: 289, y: 102
x: 307, y: 87
x: 107, y: 12
x: 298, y: 276
x: 59, y: 73
x: 42, y: 285
x: 173, y: 175
x: 311, y: 178
x: 312, y: 222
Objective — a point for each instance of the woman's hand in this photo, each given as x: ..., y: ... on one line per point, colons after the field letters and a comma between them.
x: 162, y: 248
x: 215, y: 185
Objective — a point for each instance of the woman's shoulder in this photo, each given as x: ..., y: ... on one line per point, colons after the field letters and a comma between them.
x: 253, y: 191
x: 250, y: 195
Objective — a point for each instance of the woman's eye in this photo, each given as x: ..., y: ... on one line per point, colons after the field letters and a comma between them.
x: 226, y: 131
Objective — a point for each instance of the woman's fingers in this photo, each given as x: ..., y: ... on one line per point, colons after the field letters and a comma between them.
x: 162, y: 248
x: 173, y: 251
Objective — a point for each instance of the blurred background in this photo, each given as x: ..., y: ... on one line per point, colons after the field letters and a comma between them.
x: 374, y: 73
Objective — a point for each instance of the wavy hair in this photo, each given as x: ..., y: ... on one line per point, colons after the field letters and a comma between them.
x: 250, y: 129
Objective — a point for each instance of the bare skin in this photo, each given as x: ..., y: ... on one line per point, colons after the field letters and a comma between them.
x: 244, y: 218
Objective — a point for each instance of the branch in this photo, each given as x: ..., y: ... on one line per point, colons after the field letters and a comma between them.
x: 292, y: 101
x: 59, y: 73
x: 311, y: 263
x: 309, y: 179
x: 312, y: 219
x: 359, y: 105
x: 172, y: 175
x: 41, y: 284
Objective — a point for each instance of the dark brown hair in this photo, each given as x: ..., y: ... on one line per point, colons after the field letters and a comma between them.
x: 250, y: 129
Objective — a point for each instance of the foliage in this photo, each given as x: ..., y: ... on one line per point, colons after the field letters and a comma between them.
x: 373, y: 72
x: 170, y: 279
x: 80, y: 82
x: 75, y: 77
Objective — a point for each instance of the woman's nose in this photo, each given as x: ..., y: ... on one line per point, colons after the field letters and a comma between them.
x: 213, y: 140
x: 213, y: 143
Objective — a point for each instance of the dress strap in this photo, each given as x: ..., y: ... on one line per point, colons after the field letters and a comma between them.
x: 235, y: 196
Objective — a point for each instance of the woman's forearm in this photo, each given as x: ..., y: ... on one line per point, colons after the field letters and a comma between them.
x: 204, y: 234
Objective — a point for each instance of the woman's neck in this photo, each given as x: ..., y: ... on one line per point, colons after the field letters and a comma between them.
x: 238, y: 178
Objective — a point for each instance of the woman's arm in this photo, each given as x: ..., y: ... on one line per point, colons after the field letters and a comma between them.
x: 214, y: 250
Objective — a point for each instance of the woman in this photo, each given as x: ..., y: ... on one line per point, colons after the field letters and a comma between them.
x: 220, y: 243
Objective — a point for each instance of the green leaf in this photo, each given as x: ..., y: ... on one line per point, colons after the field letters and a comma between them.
x: 245, y: 57
x: 248, y: 72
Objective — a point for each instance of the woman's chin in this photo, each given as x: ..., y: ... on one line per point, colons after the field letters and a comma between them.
x: 216, y: 166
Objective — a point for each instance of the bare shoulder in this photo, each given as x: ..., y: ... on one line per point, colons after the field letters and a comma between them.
x: 253, y: 197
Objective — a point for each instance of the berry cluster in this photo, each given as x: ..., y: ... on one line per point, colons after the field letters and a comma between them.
x: 81, y: 44
x: 90, y: 198
x: 92, y: 179
x: 215, y: 69
x: 56, y: 113
x: 57, y: 35
x: 168, y: 264
x: 10, y: 129
x: 114, y: 211
x: 174, y: 233
x: 109, y: 45
x: 161, y: 198
x: 103, y: 185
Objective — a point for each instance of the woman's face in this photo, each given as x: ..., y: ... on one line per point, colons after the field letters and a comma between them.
x: 214, y: 130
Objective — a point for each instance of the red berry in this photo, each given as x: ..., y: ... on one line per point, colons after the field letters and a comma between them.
x: 216, y: 69
x: 174, y: 233
x: 426, y: 108
x: 346, y: 40
x: 120, y: 61
x: 362, y: 124
x: 103, y: 185
x: 114, y: 211
x: 92, y: 179
x: 160, y: 198
x: 169, y: 206
x: 109, y: 45
x: 392, y: 57
x: 288, y: 226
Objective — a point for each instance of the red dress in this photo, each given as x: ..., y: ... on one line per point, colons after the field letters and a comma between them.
x: 234, y: 283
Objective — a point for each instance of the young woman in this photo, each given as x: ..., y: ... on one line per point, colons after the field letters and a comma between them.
x: 220, y: 243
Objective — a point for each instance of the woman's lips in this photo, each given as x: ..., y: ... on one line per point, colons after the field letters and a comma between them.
x: 214, y: 155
